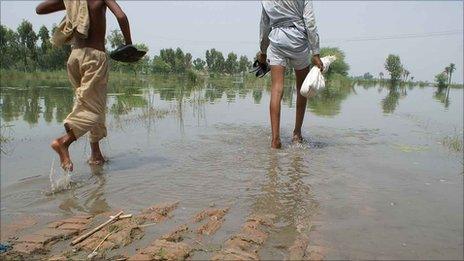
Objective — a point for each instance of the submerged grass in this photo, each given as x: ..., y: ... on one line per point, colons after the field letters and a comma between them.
x: 5, y: 137
x: 454, y: 143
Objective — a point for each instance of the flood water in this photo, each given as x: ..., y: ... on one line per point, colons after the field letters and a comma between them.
x: 374, y: 180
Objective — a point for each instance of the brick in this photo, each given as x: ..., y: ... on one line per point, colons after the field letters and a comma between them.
x: 177, y: 234
x: 74, y: 220
x: 210, y: 227
x: 55, y: 234
x: 297, y: 250
x: 55, y: 224
x: 72, y: 226
x: 266, y: 220
x: 216, y: 213
x: 159, y: 212
x: 84, y: 216
x: 235, y: 254
x: 28, y: 248
x: 140, y: 257
x: 245, y: 244
x: 164, y: 250
x: 37, y: 239
x: 316, y: 252
x: 58, y: 258
x: 123, y: 232
x: 163, y: 208
x: 242, y: 245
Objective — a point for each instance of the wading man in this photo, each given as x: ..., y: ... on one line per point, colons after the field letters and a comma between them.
x: 84, y: 27
x: 288, y: 35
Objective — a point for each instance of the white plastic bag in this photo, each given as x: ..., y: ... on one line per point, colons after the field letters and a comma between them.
x: 315, y: 80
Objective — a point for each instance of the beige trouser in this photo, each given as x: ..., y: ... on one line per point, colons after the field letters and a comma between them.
x: 88, y: 73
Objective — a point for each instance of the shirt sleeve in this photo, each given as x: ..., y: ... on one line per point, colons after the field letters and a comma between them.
x: 311, y: 28
x: 264, y: 30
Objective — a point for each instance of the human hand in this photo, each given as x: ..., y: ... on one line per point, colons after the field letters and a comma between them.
x: 262, y: 58
x: 316, y: 61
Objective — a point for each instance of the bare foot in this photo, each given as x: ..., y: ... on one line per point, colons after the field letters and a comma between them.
x: 97, y: 160
x: 276, y: 144
x: 297, y: 138
x: 62, y: 149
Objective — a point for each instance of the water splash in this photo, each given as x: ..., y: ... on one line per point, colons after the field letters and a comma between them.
x: 59, y: 180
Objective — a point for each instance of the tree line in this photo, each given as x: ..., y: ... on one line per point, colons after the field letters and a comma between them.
x: 443, y: 79
x: 27, y: 50
x: 24, y: 49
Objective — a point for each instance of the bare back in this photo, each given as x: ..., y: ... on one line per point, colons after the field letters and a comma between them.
x: 97, y: 28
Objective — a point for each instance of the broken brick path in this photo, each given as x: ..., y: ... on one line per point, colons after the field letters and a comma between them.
x: 246, y: 244
x: 180, y: 243
x: 171, y: 246
x: 39, y: 241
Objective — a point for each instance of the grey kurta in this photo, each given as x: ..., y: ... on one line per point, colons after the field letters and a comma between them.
x: 289, y: 25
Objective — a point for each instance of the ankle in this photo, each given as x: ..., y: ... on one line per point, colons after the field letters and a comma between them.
x: 297, y: 133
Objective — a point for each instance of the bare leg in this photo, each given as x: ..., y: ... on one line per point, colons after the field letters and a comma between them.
x: 61, y: 146
x: 96, y: 157
x: 277, y: 87
x: 300, y: 104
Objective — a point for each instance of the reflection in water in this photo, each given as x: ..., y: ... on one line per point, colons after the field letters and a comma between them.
x: 442, y: 96
x: 33, y: 103
x: 328, y: 100
x: 285, y: 193
x: 391, y: 101
x: 55, y: 103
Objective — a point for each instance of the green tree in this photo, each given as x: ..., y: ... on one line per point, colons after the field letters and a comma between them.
x: 169, y: 57
x: 381, y: 75
x: 339, y: 66
x: 406, y: 74
x: 394, y: 67
x: 199, y: 64
x: 9, y: 48
x: 188, y: 61
x: 160, y: 66
x: 441, y: 80
x: 243, y: 64
x: 368, y: 76
x: 215, y: 61
x: 28, y: 40
x: 231, y: 64
x: 44, y: 37
x: 451, y: 69
x: 115, y: 39
x: 179, y: 65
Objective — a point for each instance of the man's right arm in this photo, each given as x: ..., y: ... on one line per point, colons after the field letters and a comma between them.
x: 264, y: 30
x: 50, y: 6
x: 122, y: 19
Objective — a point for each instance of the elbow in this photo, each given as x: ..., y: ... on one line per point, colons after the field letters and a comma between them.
x: 122, y: 17
x: 39, y: 10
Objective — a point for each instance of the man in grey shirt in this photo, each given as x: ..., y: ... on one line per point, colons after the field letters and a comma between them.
x: 288, y: 34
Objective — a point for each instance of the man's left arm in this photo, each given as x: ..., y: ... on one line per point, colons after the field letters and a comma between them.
x: 311, y: 29
x: 50, y: 6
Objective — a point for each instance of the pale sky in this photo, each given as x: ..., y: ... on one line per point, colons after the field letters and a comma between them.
x: 430, y: 32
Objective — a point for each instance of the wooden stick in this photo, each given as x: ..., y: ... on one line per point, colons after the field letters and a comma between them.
x: 123, y: 216
x: 91, y: 232
x: 147, y: 225
x: 94, y: 252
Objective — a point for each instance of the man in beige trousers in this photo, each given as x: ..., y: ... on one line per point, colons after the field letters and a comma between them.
x: 84, y: 27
